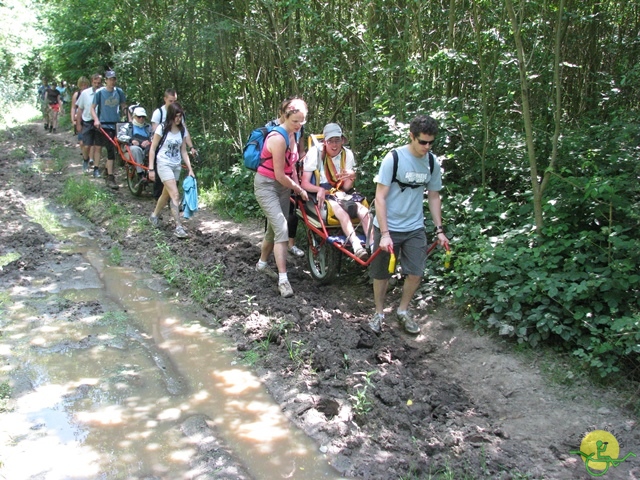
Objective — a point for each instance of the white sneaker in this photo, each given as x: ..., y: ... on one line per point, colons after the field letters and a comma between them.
x: 296, y: 252
x: 375, y: 323
x: 267, y: 271
x: 285, y: 289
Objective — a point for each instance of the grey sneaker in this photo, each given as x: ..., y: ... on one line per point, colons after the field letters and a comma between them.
x: 296, y: 252
x: 154, y: 221
x: 410, y: 326
x: 85, y: 166
x: 96, y: 172
x: 267, y: 271
x: 285, y: 289
x: 375, y: 323
x: 180, y: 233
x: 111, y: 182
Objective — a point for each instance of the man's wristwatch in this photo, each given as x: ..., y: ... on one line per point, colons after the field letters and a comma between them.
x: 439, y: 230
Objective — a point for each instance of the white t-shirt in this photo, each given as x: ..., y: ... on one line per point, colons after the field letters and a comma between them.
x: 160, y: 115
x: 85, y: 99
x: 169, y: 152
x: 314, y: 162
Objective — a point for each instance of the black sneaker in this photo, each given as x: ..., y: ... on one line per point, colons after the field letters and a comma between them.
x: 111, y: 182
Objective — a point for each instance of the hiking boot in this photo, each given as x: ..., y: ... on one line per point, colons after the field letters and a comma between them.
x: 50, y: 129
x: 375, y: 323
x: 46, y: 126
x: 111, y: 182
x: 296, y: 252
x: 54, y: 130
x: 85, y: 166
x: 155, y: 221
x: 410, y: 326
x: 267, y: 271
x: 180, y: 233
x: 96, y: 172
x: 285, y: 290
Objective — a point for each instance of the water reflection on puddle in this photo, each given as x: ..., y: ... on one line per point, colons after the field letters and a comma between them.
x: 111, y: 391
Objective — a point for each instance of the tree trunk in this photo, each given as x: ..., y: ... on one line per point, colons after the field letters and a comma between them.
x: 526, y: 117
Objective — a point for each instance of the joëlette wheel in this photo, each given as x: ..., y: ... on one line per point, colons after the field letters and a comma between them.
x: 323, y: 264
x: 134, y: 183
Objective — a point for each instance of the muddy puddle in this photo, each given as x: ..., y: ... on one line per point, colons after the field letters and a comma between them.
x: 119, y: 378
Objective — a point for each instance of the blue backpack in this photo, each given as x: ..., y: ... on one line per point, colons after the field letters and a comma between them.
x: 253, y: 147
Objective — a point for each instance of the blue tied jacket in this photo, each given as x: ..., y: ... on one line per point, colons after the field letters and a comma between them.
x: 190, y: 198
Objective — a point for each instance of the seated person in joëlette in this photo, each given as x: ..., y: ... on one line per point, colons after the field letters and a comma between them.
x: 329, y: 173
x: 137, y: 134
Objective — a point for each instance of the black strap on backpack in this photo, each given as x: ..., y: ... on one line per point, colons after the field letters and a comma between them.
x: 403, y: 185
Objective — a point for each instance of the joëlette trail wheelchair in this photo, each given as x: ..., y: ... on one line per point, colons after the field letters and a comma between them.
x: 137, y: 174
x: 327, y: 243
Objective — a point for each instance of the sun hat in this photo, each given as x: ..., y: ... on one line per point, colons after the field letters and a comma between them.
x: 140, y: 112
x: 109, y: 74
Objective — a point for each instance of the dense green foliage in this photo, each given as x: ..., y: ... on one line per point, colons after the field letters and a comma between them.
x: 538, y: 105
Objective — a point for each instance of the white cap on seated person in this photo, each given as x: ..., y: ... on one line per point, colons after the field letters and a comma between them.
x: 139, y: 112
x: 332, y: 130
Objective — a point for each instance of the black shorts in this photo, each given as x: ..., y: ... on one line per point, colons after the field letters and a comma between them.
x: 409, y: 247
x: 102, y: 141
x: 89, y: 134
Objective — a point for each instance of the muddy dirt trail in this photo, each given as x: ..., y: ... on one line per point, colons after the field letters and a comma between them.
x: 447, y: 403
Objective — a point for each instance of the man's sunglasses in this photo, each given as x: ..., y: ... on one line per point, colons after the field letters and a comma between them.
x: 426, y: 142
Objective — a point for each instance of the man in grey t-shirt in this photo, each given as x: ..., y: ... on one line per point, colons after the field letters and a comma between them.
x: 399, y: 220
x: 109, y: 105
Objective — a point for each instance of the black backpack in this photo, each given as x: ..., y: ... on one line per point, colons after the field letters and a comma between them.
x: 403, y: 185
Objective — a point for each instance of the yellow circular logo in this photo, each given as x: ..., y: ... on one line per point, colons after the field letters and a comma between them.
x: 599, y: 444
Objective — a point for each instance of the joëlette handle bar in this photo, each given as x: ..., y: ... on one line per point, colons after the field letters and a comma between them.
x: 116, y: 145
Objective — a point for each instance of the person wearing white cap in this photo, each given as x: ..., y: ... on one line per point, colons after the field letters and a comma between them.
x: 333, y: 164
x: 138, y: 135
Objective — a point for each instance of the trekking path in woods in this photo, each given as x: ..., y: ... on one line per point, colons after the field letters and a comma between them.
x: 385, y: 406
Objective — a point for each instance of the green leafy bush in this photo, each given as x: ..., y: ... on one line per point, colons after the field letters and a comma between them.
x: 576, y: 283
